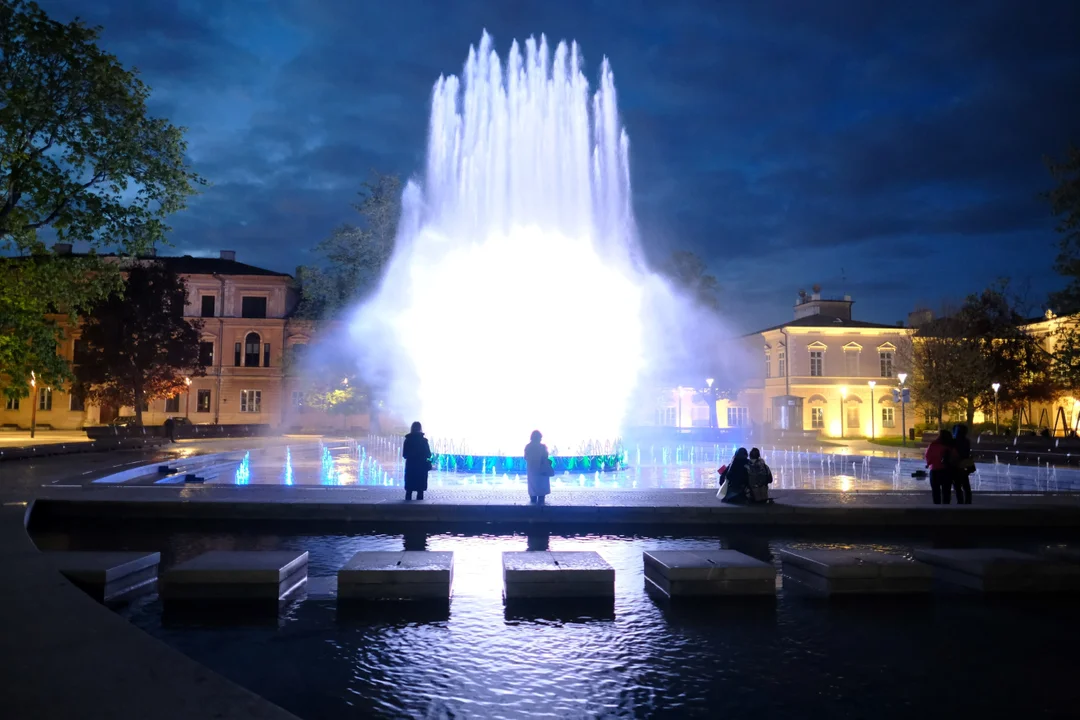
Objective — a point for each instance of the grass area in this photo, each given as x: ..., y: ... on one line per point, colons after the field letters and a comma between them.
x: 893, y: 441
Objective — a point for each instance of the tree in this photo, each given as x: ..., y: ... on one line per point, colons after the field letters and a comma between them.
x: 1065, y: 204
x: 956, y: 359
x: 138, y: 346
x: 689, y: 276
x: 80, y: 156
x: 354, y: 257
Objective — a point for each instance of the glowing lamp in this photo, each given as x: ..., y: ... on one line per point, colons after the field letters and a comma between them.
x: 902, y: 377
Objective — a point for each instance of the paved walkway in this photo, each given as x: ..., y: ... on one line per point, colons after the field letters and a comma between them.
x: 65, y: 656
x: 21, y: 438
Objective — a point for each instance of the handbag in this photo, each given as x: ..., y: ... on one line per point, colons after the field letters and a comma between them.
x: 722, y: 492
x: 549, y: 469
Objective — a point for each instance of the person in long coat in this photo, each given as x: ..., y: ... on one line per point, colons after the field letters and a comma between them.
x: 538, y: 469
x: 417, y: 454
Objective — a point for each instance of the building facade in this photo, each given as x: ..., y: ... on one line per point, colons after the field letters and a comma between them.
x: 821, y: 373
x: 246, y: 336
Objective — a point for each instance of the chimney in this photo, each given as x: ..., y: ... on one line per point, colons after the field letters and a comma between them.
x: 62, y: 248
x: 228, y: 255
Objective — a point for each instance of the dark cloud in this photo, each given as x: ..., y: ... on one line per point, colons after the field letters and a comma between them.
x: 781, y: 140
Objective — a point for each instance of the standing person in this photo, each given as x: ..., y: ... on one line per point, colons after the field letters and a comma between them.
x: 738, y: 478
x: 965, y: 465
x: 940, y: 458
x: 170, y: 429
x: 759, y: 477
x: 538, y: 469
x: 417, y: 454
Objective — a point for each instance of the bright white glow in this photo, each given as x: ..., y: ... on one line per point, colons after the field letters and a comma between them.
x: 902, y: 377
x: 514, y: 298
x: 996, y: 387
x: 710, y: 381
x: 872, y: 383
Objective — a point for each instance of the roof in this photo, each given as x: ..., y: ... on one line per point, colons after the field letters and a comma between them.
x: 825, y: 321
x: 188, y: 265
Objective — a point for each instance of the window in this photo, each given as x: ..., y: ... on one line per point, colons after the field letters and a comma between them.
x: 817, y: 360
x: 817, y: 418
x: 266, y: 354
x: 294, y: 356
x: 253, y: 307
x: 236, y: 357
x: 251, y: 350
x: 146, y: 406
x: 208, y: 305
x: 298, y: 400
x: 250, y: 401
x: 782, y: 361
x: 851, y: 363
x: 738, y: 417
x: 888, y: 417
x: 79, y: 351
x: 886, y: 364
x: 172, y: 405
x: 853, y: 417
x: 45, y: 399
x: 666, y: 416
x: 768, y: 365
x: 206, y: 353
x: 76, y: 403
x: 202, y: 401
x: 928, y: 416
x: 12, y: 404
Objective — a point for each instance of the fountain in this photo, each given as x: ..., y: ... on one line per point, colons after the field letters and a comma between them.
x: 515, y: 297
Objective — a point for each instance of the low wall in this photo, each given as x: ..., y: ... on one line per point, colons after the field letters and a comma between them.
x: 181, y: 432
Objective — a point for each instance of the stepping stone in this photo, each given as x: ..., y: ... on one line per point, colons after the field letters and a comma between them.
x: 408, y: 575
x: 993, y: 570
x: 237, y: 575
x: 708, y: 572
x: 109, y: 576
x: 856, y: 572
x: 557, y: 575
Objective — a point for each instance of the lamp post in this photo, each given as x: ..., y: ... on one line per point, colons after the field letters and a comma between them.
x: 33, y: 404
x: 843, y: 409
x: 187, y: 402
x: 873, y: 428
x: 996, y: 387
x: 903, y: 418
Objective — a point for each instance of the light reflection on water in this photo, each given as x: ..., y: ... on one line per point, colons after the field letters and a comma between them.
x: 793, y: 657
x: 377, y: 462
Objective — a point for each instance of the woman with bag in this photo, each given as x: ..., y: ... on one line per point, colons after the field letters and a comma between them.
x: 965, y: 465
x: 538, y: 469
x: 736, y: 479
x: 417, y: 454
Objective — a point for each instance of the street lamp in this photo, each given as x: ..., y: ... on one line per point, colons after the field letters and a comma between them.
x: 843, y: 408
x: 873, y: 429
x: 187, y: 403
x: 996, y: 387
x: 33, y: 404
x: 713, y: 420
x: 903, y: 416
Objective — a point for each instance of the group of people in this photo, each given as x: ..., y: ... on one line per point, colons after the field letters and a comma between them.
x: 950, y: 463
x: 745, y: 479
x: 417, y: 453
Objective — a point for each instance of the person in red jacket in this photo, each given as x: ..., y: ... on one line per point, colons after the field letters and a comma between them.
x: 941, y: 458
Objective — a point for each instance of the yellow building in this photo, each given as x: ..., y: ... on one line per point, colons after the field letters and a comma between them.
x: 246, y: 335
x: 822, y: 373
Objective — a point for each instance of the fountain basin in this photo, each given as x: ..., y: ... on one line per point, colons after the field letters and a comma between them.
x: 515, y: 464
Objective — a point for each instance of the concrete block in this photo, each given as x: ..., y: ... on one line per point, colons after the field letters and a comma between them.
x: 237, y: 575
x: 996, y: 570
x: 708, y: 572
x: 557, y: 575
x: 109, y: 576
x: 407, y: 575
x: 855, y: 572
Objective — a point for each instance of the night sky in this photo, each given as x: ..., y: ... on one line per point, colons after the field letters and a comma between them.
x: 893, y: 151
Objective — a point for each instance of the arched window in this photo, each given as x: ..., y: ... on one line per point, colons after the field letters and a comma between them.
x: 252, y: 344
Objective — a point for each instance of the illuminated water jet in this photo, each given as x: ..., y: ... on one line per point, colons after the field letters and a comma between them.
x: 514, y: 299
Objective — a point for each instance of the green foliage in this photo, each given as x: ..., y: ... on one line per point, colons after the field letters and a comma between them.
x: 689, y: 276
x: 1066, y: 358
x: 354, y: 257
x: 138, y: 344
x: 40, y: 298
x: 1065, y: 204
x: 80, y: 156
x: 955, y: 360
